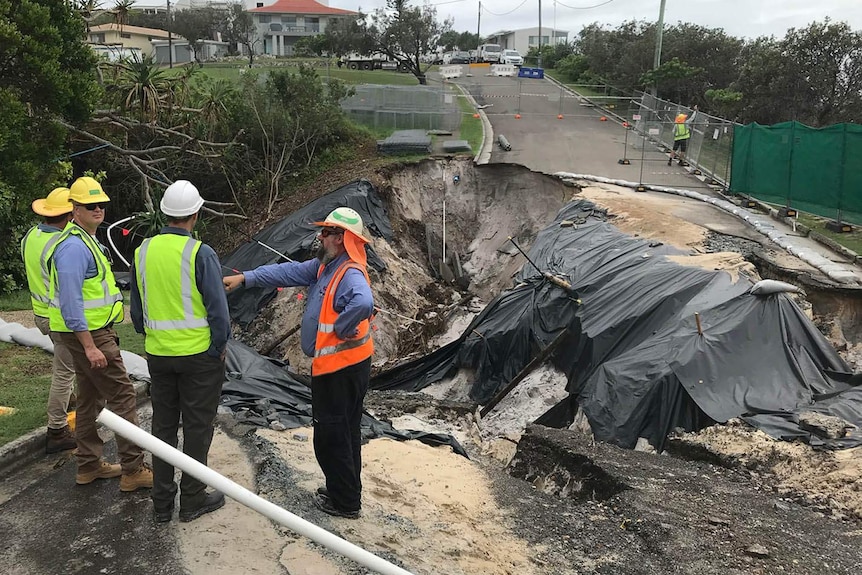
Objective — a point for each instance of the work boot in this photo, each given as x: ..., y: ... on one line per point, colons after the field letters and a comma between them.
x: 323, y: 492
x: 213, y: 501
x: 105, y: 471
x: 57, y: 440
x: 140, y: 479
x: 163, y: 515
x: 326, y: 505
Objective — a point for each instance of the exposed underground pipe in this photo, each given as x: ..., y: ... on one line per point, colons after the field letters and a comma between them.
x: 504, y: 143
x: 242, y: 495
x: 111, y: 240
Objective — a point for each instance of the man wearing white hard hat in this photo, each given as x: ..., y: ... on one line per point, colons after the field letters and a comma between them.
x: 56, y: 210
x: 178, y: 303
x: 336, y: 332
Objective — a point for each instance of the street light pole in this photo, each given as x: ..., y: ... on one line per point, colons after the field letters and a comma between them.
x: 479, y: 31
x: 170, y: 38
x: 658, y: 37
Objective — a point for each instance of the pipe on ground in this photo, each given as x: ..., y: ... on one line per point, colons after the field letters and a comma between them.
x: 504, y: 142
x: 239, y: 493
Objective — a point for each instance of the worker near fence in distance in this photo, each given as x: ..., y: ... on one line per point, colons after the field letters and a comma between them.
x: 37, y: 243
x: 681, y: 136
x: 178, y: 303
x: 336, y: 332
x: 84, y: 304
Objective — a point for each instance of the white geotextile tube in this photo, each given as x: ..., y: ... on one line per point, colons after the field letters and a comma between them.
x: 762, y: 224
x: 239, y: 493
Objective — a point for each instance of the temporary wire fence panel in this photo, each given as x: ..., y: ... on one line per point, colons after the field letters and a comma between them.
x: 403, y: 107
x: 815, y: 170
x: 710, y: 147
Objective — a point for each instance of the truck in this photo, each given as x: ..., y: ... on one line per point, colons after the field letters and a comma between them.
x: 372, y: 62
x: 489, y: 53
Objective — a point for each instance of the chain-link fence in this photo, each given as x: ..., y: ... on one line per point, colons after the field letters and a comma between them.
x: 404, y: 107
x: 710, y: 147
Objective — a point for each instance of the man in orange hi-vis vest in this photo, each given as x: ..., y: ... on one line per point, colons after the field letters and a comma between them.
x: 336, y: 332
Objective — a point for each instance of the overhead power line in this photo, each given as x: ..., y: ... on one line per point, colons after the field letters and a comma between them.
x: 505, y: 13
x: 583, y: 7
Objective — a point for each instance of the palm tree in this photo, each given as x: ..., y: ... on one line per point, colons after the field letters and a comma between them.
x: 142, y: 84
x: 121, y: 11
x: 89, y: 10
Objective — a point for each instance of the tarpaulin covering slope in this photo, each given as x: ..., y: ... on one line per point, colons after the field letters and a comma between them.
x: 293, y: 236
x: 634, y: 360
x: 260, y: 390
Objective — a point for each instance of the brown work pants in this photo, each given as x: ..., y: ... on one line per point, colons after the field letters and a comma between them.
x: 97, y: 388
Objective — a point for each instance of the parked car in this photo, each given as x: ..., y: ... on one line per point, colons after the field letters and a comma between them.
x: 460, y: 57
x: 511, y: 57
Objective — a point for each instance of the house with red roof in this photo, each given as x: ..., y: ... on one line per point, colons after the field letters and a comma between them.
x: 280, y: 24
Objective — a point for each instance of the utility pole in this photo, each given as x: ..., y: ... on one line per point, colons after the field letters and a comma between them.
x: 170, y: 39
x: 658, y: 37
x: 540, y: 33
x: 479, y: 31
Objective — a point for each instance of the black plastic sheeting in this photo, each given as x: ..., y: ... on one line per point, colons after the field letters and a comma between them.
x: 633, y: 358
x: 261, y: 390
x: 294, y: 235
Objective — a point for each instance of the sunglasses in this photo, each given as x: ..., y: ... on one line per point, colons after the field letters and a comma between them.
x: 92, y: 207
x: 326, y: 232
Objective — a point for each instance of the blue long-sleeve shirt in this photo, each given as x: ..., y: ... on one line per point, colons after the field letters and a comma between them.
x: 74, y: 263
x: 208, y: 281
x: 353, y: 299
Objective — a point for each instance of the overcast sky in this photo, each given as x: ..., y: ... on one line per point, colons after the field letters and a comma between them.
x: 741, y: 18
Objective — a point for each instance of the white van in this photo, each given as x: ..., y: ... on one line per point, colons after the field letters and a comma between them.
x: 489, y: 53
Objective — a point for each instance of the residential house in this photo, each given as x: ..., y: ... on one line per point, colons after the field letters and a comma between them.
x: 280, y: 24
x: 525, y: 38
x: 128, y: 37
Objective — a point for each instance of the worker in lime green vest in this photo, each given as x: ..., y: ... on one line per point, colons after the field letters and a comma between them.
x: 57, y: 212
x: 84, y: 304
x: 178, y: 302
x: 681, y: 136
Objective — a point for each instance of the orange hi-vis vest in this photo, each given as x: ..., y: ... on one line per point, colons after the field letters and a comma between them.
x: 332, y: 353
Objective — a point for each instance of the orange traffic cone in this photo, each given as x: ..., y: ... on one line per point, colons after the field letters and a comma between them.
x: 559, y: 116
x: 603, y: 119
x: 517, y: 116
x: 626, y: 125
x: 476, y: 115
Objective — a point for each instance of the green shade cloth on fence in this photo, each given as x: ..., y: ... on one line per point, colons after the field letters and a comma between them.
x: 816, y: 170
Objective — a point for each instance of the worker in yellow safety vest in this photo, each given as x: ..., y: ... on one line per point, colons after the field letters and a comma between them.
x: 681, y: 136
x: 35, y: 246
x: 336, y: 333
x: 84, y: 304
x: 178, y: 303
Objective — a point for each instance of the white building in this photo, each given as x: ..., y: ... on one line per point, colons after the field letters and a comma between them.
x: 525, y: 38
x: 281, y: 23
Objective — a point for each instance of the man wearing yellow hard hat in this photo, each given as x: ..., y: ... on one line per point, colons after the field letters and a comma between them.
x: 336, y: 332
x: 84, y: 304
x: 39, y: 240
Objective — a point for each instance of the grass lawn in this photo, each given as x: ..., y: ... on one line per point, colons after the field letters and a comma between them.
x: 25, y: 377
x: 851, y: 241
x: 471, y: 128
x: 14, y: 301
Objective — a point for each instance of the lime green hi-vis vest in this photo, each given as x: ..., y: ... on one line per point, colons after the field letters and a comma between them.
x: 681, y: 132
x: 35, y: 247
x: 103, y: 302
x: 175, y: 319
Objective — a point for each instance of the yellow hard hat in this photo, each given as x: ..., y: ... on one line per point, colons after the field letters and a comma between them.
x: 56, y: 204
x: 86, y: 190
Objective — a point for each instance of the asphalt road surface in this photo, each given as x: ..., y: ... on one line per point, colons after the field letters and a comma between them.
x: 578, y: 143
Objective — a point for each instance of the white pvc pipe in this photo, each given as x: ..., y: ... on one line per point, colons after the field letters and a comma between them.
x: 111, y: 241
x: 239, y: 493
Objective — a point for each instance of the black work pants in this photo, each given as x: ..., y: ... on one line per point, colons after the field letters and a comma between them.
x: 336, y: 403
x: 191, y: 386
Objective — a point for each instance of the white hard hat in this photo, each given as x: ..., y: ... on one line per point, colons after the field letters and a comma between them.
x: 181, y: 200
x: 346, y: 219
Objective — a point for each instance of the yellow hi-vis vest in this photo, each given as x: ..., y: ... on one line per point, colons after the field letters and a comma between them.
x: 103, y: 302
x: 35, y: 247
x: 175, y: 318
x: 681, y: 131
